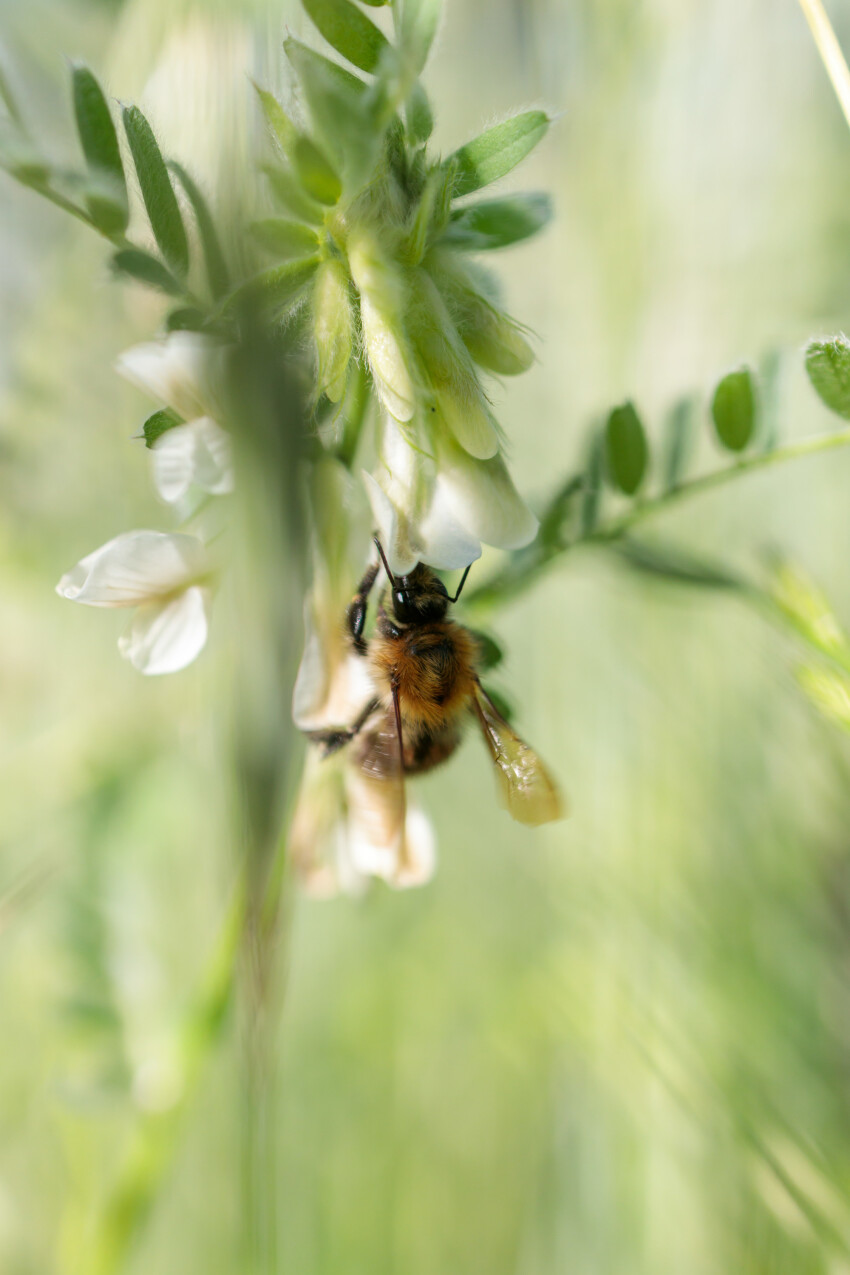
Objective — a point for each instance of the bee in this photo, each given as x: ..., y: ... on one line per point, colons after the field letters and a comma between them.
x: 424, y: 667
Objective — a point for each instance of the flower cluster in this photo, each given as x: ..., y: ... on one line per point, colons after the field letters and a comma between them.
x: 166, y: 577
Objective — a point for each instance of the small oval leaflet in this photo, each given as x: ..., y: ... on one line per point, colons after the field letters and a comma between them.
x: 349, y: 31
x: 626, y: 452
x: 733, y: 410
x: 828, y: 366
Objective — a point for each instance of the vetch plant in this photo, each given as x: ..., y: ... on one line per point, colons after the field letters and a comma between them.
x: 334, y: 374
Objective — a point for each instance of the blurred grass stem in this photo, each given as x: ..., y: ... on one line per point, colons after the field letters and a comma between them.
x: 830, y: 51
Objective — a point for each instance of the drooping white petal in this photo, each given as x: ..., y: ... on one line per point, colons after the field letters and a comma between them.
x: 164, y: 637
x: 185, y: 371
x: 333, y: 684
x: 196, y: 454
x: 483, y: 498
x: 394, y: 530
x: 446, y: 543
x: 387, y: 838
x: 318, y: 836
x: 134, y: 568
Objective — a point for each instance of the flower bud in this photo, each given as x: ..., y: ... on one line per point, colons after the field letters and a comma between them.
x: 332, y: 326
x: 381, y: 289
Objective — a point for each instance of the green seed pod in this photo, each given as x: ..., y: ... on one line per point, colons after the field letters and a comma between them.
x: 382, y: 304
x: 494, y: 341
x: 333, y: 327
x: 458, y: 397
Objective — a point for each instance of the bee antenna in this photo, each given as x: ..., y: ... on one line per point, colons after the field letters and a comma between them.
x: 380, y: 548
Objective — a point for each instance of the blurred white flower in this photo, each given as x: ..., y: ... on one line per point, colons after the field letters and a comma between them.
x: 193, y: 455
x: 186, y: 372
x: 441, y: 507
x: 166, y: 578
x: 349, y: 828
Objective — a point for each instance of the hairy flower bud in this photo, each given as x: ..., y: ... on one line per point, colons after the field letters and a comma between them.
x: 382, y: 303
x: 333, y: 328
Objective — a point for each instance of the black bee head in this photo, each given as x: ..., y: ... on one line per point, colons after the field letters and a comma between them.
x: 419, y: 597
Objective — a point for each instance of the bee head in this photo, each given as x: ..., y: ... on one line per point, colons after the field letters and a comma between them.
x: 420, y: 597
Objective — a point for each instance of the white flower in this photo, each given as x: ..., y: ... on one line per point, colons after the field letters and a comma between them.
x: 196, y: 454
x: 441, y: 508
x: 166, y: 577
x: 187, y: 372
x: 349, y: 827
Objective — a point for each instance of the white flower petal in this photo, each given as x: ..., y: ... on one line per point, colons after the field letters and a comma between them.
x: 482, y: 496
x: 185, y: 371
x: 196, y: 454
x: 394, y: 530
x: 385, y: 840
x: 446, y: 544
x: 166, y: 636
x: 389, y: 369
x: 134, y: 568
x: 333, y: 684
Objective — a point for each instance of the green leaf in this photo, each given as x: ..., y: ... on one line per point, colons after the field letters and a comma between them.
x: 496, y: 151
x: 277, y: 289
x: 805, y: 607
x: 498, y: 223
x: 318, y: 177
x: 284, y: 238
x: 674, y: 566
x: 333, y: 328
x: 347, y: 29
x: 680, y: 433
x: 158, y: 424
x: 559, y: 509
x: 157, y: 191
x: 291, y: 196
x: 20, y: 158
x: 100, y: 147
x: 145, y: 268
x: 416, y: 30
x: 733, y: 409
x: 828, y: 366
x: 501, y: 703
x: 626, y: 451
x: 346, y: 115
x: 282, y: 130
x: 217, y: 271
x: 185, y: 319
x: 489, y: 651
x: 592, y: 485
x: 418, y: 116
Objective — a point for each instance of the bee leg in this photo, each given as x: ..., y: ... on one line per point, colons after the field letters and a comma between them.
x: 355, y: 616
x: 331, y: 741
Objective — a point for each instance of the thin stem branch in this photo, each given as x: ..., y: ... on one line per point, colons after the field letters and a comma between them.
x: 830, y: 51
x: 525, y: 566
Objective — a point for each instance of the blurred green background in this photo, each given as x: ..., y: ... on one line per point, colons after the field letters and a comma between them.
x: 619, y: 1045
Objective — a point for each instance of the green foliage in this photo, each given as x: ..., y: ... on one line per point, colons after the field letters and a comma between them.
x: 828, y: 366
x: 417, y: 26
x: 419, y: 119
x: 333, y: 325
x: 277, y: 290
x: 284, y: 238
x: 157, y: 191
x: 158, y: 424
x: 592, y: 484
x: 679, y: 442
x: 498, y: 223
x: 290, y: 195
x: 145, y: 268
x: 626, y: 451
x: 496, y: 151
x: 217, y: 272
x: 733, y: 410
x: 100, y: 147
x: 347, y: 29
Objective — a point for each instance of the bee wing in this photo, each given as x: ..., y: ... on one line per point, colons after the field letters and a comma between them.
x: 528, y: 791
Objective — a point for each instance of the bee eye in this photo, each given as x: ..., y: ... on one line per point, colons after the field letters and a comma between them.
x: 402, y: 607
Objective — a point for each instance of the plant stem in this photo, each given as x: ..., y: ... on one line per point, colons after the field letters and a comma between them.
x: 830, y: 51
x: 525, y: 566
